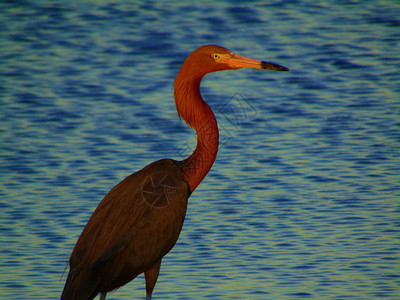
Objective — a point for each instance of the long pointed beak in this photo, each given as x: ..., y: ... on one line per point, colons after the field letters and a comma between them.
x: 237, y: 62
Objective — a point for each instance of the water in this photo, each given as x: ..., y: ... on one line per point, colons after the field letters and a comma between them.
x: 303, y: 200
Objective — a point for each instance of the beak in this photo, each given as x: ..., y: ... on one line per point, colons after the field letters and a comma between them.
x: 237, y: 62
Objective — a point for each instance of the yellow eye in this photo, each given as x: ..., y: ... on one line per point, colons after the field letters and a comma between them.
x: 216, y: 56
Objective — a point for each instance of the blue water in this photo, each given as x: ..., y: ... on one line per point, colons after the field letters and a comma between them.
x: 303, y: 199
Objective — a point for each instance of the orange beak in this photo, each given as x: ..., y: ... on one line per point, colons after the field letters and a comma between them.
x: 237, y: 62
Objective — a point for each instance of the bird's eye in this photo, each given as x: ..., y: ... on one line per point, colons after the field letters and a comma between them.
x: 216, y: 56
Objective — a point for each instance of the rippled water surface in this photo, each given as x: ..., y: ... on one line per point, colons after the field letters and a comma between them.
x: 303, y: 199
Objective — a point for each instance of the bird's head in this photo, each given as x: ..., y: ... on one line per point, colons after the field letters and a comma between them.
x: 211, y: 58
x: 207, y: 59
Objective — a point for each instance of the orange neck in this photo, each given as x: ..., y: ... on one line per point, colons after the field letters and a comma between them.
x: 192, y: 108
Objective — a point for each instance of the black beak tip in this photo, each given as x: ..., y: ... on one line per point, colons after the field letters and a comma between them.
x: 270, y: 66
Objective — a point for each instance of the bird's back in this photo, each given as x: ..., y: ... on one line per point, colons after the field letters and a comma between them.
x: 133, y: 227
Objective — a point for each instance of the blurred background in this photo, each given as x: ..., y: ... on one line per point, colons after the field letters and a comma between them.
x: 303, y: 199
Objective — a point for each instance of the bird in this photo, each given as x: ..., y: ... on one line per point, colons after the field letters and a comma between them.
x: 139, y: 220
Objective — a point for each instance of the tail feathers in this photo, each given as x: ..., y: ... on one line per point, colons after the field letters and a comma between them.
x: 80, y: 286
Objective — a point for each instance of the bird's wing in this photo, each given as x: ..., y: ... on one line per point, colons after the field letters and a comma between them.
x: 135, y: 224
x: 107, y: 254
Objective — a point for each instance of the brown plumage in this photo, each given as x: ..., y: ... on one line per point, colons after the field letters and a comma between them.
x: 140, y: 219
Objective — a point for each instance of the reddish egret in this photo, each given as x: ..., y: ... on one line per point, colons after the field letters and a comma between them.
x: 139, y: 220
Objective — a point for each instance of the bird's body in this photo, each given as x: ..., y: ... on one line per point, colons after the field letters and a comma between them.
x: 140, y: 219
x: 151, y: 207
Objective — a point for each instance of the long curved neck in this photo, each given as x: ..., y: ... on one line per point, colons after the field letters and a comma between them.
x: 192, y: 108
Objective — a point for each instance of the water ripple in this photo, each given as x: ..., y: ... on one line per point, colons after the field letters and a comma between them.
x: 302, y: 199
